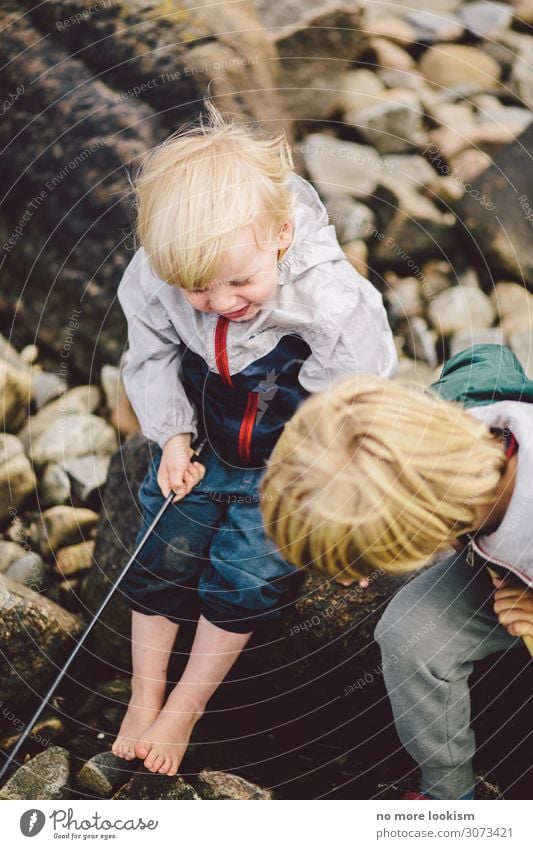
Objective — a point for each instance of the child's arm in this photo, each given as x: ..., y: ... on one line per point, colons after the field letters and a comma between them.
x: 151, y: 374
x: 350, y: 334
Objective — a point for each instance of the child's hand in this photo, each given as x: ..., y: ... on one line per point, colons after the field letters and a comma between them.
x: 514, y: 608
x: 175, y: 470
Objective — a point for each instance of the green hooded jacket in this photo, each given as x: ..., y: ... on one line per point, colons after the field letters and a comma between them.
x: 484, y: 374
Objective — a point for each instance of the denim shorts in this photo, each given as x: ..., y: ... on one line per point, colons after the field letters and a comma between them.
x: 209, y: 553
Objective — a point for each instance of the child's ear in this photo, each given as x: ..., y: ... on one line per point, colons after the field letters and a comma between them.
x: 285, y: 234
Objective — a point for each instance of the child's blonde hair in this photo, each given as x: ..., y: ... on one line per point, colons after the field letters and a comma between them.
x: 202, y: 185
x: 375, y: 474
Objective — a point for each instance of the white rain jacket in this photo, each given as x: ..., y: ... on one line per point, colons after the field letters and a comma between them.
x: 239, y: 382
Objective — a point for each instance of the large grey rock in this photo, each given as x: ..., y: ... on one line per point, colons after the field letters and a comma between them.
x: 120, y: 82
x: 150, y: 786
x: 394, y: 123
x: 224, y: 785
x: 410, y: 226
x: 46, y: 776
x: 36, y: 635
x: 315, y: 42
x: 500, y: 229
x: 104, y: 774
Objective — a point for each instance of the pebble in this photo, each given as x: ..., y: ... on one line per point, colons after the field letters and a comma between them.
x: 390, y: 55
x: 16, y: 396
x: 459, y: 308
x: 87, y: 475
x: 521, y: 344
x: 17, y: 479
x: 339, y: 166
x: 46, y: 387
x: 75, y: 558
x: 54, y: 486
x: 29, y: 570
x: 469, y: 336
x: 352, y: 219
x: 403, y: 296
x: 358, y: 89
x: 511, y: 298
x: 431, y: 27
x: 486, y: 20
x: 60, y: 526
x: 121, y: 413
x: 74, y: 435
x: 420, y: 342
x: 451, y: 65
x: 9, y: 552
x: 81, y: 399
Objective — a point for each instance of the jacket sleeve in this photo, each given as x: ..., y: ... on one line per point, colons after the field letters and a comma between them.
x: 350, y: 334
x: 151, y: 372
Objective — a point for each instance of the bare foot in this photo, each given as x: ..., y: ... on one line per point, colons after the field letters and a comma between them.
x: 164, y: 744
x: 142, y: 710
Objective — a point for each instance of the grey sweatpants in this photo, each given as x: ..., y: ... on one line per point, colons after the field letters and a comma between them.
x: 430, y: 634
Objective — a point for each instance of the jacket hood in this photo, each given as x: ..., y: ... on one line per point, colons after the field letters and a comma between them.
x: 511, y: 544
x: 314, y: 240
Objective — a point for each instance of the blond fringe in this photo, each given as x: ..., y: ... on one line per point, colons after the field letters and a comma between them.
x: 197, y: 189
x: 376, y: 474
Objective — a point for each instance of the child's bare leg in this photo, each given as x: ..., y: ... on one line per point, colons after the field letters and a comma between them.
x: 152, y: 638
x: 213, y: 654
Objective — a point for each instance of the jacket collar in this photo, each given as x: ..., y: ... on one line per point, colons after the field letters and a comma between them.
x: 511, y: 544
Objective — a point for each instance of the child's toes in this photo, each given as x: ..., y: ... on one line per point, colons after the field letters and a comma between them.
x: 142, y: 748
x: 116, y: 748
x: 154, y: 763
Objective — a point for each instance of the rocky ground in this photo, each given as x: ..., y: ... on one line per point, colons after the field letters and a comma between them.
x: 418, y: 138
